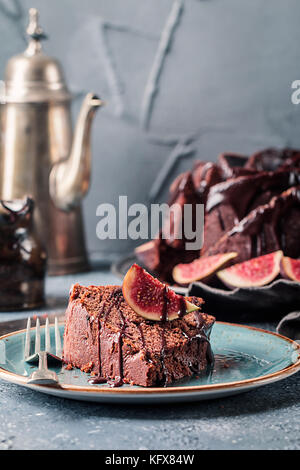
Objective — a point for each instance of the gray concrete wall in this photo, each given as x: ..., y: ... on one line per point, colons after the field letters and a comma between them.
x: 213, y: 74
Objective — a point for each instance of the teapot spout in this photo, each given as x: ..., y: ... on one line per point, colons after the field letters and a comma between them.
x: 69, y: 179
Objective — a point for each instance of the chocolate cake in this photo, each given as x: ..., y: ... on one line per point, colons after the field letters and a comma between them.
x: 233, y: 189
x: 105, y: 337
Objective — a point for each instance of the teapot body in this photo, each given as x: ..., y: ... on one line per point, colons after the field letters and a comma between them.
x: 34, y: 137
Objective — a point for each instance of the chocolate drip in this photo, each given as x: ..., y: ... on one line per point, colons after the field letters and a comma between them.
x: 261, y: 243
x: 163, y: 318
x: 164, y: 312
x: 221, y: 221
x: 203, y: 337
x: 99, y: 379
x: 139, y: 327
x: 199, y: 320
x: 118, y: 381
x: 182, y: 310
x: 281, y: 235
x: 254, y: 246
x: 283, y: 241
x: 163, y: 356
x: 142, y: 337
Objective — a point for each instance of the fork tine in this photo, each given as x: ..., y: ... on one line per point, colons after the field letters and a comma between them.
x: 37, y: 336
x: 57, y: 340
x: 47, y: 336
x: 27, y: 339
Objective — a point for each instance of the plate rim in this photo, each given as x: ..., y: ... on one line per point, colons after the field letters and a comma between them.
x: 148, y: 391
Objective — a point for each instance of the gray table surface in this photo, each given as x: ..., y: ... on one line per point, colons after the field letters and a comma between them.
x: 266, y: 418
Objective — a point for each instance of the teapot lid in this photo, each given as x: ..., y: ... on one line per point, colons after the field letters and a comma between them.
x: 34, y: 77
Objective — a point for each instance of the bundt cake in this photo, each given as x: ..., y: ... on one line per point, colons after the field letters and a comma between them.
x: 252, y: 206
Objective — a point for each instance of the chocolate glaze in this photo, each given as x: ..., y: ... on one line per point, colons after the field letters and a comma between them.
x: 222, y: 225
x: 233, y: 191
x: 277, y: 207
x: 118, y: 381
x: 146, y: 352
x: 182, y: 310
x: 164, y: 313
x: 163, y: 318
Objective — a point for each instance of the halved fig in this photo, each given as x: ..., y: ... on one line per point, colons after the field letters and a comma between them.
x: 255, y: 272
x: 152, y: 299
x: 290, y: 268
x: 200, y: 269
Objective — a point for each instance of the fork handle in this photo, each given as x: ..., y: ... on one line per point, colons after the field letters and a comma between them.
x: 43, y: 363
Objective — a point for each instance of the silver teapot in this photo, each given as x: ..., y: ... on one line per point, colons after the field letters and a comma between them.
x: 40, y: 156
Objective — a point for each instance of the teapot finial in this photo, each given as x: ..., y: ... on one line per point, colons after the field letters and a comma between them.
x: 35, y: 32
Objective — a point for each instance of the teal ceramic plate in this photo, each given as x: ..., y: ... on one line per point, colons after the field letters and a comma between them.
x: 245, y: 358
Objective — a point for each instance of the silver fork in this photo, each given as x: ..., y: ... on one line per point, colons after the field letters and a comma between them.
x: 42, y: 375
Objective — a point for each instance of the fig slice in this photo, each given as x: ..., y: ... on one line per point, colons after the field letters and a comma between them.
x: 200, y: 269
x: 152, y: 299
x: 290, y: 268
x: 255, y: 272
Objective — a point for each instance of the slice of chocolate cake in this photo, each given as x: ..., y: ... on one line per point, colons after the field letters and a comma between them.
x: 104, y: 336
